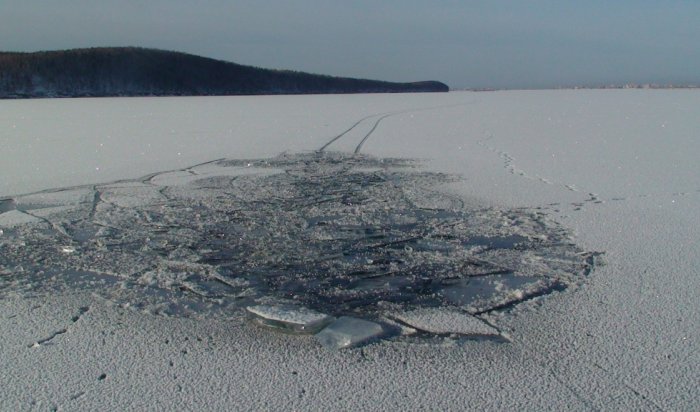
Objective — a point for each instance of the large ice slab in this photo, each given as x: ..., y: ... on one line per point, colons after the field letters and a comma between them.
x: 480, y: 294
x: 347, y: 331
x: 289, y: 318
x: 444, y: 320
x: 208, y: 171
x: 16, y: 218
x: 68, y: 197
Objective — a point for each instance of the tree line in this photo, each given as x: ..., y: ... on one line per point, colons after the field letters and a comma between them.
x: 134, y: 71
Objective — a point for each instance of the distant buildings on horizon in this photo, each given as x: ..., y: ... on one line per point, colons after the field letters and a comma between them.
x: 607, y: 86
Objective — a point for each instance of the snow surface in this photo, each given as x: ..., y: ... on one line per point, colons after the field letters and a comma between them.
x: 618, y: 168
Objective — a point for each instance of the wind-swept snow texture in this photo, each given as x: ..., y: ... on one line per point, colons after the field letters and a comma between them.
x: 615, y: 169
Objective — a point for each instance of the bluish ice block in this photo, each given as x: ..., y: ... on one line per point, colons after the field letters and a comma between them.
x: 289, y: 318
x: 346, y: 332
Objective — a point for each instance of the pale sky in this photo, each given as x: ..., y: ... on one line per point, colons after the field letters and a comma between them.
x: 495, y: 43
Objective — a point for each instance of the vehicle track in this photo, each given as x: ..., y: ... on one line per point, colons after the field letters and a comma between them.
x: 364, y: 139
x: 382, y: 116
x: 333, y: 140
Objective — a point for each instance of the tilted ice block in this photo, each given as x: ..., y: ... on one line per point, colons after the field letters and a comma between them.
x: 445, y: 321
x: 347, y: 331
x: 289, y: 318
x: 16, y: 218
x: 44, y: 200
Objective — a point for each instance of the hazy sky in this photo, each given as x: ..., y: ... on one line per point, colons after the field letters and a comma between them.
x: 487, y: 43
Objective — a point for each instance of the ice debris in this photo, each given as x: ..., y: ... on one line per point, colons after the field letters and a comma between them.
x: 289, y: 318
x: 345, y: 235
x: 346, y: 332
x: 445, y: 320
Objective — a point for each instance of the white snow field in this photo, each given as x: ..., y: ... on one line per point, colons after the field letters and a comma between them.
x: 616, y: 171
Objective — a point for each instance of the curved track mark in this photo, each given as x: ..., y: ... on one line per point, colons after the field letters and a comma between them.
x: 376, y: 124
x: 384, y: 116
x: 333, y: 140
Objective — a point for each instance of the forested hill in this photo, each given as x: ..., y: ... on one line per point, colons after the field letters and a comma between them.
x: 146, y: 72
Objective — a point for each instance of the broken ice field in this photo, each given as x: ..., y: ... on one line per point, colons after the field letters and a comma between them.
x: 349, y: 247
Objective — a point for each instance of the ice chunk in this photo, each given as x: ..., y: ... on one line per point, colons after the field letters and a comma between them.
x: 478, y: 294
x: 16, y: 218
x: 444, y: 320
x: 347, y: 331
x: 289, y: 318
x: 71, y: 197
x: 401, y: 328
x: 202, y: 173
x: 133, y: 196
x: 48, y: 211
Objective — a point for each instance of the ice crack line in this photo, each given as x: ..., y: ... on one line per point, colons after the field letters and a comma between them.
x: 49, y: 339
x: 97, y: 198
x: 51, y: 224
x: 74, y: 319
x: 649, y: 400
x: 148, y: 179
x: 573, y: 391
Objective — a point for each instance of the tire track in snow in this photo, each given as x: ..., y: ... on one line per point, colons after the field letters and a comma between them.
x: 364, y: 139
x: 383, y: 115
x: 333, y: 140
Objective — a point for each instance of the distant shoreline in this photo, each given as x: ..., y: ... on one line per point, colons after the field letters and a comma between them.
x: 133, y: 71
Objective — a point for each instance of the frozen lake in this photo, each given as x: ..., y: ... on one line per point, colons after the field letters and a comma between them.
x: 534, y: 183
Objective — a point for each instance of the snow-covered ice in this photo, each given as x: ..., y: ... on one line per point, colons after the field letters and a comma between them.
x: 446, y: 321
x: 16, y: 218
x: 615, y: 171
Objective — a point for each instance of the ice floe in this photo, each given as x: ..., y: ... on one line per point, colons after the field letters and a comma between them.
x: 16, y: 218
x: 445, y: 320
x: 290, y: 318
x: 347, y: 331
